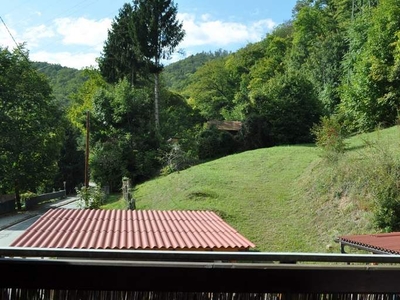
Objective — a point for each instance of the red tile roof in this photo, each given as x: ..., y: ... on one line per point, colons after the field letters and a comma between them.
x: 132, y: 229
x: 377, y: 243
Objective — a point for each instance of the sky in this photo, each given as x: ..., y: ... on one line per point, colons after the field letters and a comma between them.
x: 72, y: 33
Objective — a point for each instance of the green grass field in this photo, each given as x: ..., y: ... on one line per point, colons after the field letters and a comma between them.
x: 282, y: 198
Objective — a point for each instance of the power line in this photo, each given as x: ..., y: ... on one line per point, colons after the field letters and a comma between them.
x: 18, y: 46
x: 77, y: 5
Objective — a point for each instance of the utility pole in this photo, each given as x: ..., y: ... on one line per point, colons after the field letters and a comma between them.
x: 87, y: 150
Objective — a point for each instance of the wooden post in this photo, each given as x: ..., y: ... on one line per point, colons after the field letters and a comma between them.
x: 87, y: 151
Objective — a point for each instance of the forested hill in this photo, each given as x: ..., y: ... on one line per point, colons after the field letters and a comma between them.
x: 176, y: 75
x: 66, y: 81
x: 63, y: 80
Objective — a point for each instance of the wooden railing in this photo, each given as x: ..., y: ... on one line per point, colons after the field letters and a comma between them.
x: 196, y: 275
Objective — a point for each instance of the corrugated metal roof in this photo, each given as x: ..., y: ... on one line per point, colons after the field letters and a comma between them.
x: 132, y: 229
x: 379, y: 243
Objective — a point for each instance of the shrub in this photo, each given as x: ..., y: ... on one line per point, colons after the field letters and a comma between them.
x: 175, y: 160
x: 365, y: 182
x: 290, y: 105
x: 213, y: 143
x: 329, y: 137
x: 385, y: 184
x: 26, y: 196
x: 255, y: 133
x: 90, y: 198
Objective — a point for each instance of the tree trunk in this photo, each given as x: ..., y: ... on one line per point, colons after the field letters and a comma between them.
x: 157, y: 99
x: 17, y: 195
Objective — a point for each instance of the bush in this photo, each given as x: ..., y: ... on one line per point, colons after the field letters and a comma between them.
x: 175, y: 160
x: 213, y: 143
x: 255, y: 133
x: 26, y: 196
x: 364, y: 183
x: 90, y: 198
x: 291, y: 107
x: 385, y: 178
x: 329, y: 137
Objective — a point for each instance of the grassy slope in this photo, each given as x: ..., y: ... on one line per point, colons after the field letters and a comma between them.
x: 268, y: 195
x: 254, y: 191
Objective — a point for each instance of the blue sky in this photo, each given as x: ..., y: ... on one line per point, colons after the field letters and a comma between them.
x: 72, y: 33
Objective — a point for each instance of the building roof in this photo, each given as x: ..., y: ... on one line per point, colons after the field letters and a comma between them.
x: 132, y: 229
x: 225, y: 125
x: 383, y: 243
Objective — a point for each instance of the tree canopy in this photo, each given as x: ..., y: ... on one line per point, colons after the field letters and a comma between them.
x: 30, y: 125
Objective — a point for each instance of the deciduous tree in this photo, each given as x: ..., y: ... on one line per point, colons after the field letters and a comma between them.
x: 30, y: 125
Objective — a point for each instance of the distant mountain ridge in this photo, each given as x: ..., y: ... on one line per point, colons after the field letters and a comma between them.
x: 64, y: 81
x: 176, y: 75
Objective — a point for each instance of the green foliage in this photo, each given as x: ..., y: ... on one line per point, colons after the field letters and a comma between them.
x: 71, y: 164
x: 82, y: 100
x: 255, y: 133
x: 63, y: 81
x: 363, y: 181
x: 30, y: 124
x: 290, y: 105
x: 120, y: 58
x: 176, y: 75
x: 212, y: 89
x: 272, y: 62
x: 114, y: 201
x: 318, y: 50
x: 124, y: 139
x: 384, y: 187
x: 107, y: 165
x: 329, y: 137
x: 214, y: 143
x: 27, y: 195
x: 179, y: 119
x: 91, y: 197
x: 387, y: 214
x: 176, y: 160
x: 370, y: 96
x: 155, y: 30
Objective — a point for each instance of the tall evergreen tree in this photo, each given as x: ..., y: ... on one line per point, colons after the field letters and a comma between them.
x: 156, y: 33
x: 120, y: 58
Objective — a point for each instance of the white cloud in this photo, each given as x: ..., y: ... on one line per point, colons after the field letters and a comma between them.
x: 219, y: 33
x: 67, y: 59
x: 34, y: 34
x: 83, y: 38
x: 5, y: 38
x: 83, y: 31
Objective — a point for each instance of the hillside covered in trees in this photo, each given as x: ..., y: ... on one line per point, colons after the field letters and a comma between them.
x: 63, y: 81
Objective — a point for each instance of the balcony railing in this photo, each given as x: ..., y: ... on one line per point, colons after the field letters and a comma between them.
x: 109, y: 274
